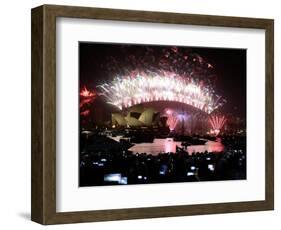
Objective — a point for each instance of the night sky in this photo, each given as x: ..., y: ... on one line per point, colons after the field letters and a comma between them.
x: 223, y: 69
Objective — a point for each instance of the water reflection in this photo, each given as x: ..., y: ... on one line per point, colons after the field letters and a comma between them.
x: 169, y: 145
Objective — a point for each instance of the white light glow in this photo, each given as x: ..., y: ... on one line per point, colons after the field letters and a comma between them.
x: 127, y: 91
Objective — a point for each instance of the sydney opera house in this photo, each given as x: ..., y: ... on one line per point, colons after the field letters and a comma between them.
x: 137, y: 116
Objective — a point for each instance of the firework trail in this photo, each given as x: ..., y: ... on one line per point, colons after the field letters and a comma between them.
x: 217, y: 122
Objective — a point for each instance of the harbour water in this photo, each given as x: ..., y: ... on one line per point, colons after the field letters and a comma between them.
x: 169, y: 145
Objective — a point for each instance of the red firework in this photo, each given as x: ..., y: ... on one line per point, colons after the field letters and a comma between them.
x: 86, y: 98
x: 87, y: 93
x: 217, y: 122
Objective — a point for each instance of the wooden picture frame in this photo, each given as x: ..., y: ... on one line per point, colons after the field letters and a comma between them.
x: 43, y: 208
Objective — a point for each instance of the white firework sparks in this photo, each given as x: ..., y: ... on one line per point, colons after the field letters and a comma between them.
x: 128, y: 91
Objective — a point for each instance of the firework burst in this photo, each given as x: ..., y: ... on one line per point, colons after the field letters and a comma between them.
x: 86, y: 98
x: 132, y: 90
x: 217, y: 122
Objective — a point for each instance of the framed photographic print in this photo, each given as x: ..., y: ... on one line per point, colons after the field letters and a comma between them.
x: 147, y: 114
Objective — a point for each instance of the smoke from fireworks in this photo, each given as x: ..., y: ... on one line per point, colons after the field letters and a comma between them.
x: 217, y: 122
x: 142, y: 60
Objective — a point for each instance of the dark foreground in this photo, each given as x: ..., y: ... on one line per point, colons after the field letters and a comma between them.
x: 104, y: 161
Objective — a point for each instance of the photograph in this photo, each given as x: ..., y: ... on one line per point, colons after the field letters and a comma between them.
x: 161, y: 114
